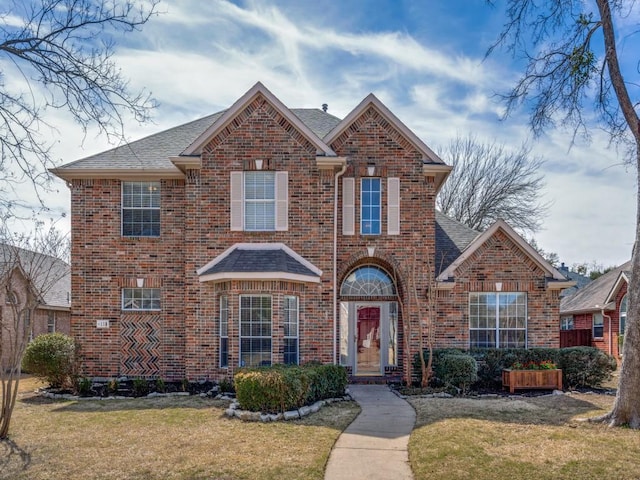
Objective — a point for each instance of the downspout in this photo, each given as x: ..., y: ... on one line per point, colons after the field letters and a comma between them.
x: 335, y: 263
x: 610, y: 332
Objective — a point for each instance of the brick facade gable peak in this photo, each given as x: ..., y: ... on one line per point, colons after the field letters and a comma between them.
x: 239, y: 108
x: 502, y: 227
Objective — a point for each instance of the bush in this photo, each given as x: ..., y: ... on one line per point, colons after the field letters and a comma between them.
x: 140, y: 387
x: 585, y: 366
x: 457, y: 369
x: 52, y: 358
x: 280, y: 388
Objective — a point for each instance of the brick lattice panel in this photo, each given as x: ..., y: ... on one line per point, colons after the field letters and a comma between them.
x: 140, y: 346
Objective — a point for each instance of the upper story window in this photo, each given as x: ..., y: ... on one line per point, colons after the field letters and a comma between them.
x: 623, y: 313
x: 140, y: 209
x: 259, y: 201
x: 140, y: 299
x: 370, y: 206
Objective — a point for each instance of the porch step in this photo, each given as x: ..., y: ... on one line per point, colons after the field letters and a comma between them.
x: 374, y: 379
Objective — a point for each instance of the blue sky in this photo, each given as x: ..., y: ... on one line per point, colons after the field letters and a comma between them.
x: 424, y: 60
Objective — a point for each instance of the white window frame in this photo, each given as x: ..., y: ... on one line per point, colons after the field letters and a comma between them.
x: 224, y: 330
x: 146, y: 304
x: 153, y: 204
x: 623, y: 314
x: 498, y: 328
x: 292, y: 327
x: 597, y: 324
x: 260, y: 201
x: 51, y: 321
x: 262, y: 336
x: 370, y: 205
x: 567, y: 323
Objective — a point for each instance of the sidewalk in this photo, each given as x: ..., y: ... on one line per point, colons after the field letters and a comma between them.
x: 374, y: 446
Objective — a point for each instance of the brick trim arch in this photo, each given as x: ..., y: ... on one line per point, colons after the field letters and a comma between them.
x: 381, y: 259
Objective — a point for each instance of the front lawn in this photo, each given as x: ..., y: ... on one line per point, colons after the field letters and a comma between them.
x: 162, y: 438
x: 524, y: 438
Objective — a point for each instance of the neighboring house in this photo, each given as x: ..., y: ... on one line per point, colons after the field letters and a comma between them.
x: 263, y: 234
x: 600, y: 306
x: 51, y: 279
x: 580, y: 281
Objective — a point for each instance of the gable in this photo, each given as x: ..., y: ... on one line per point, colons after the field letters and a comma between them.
x: 257, y: 97
x: 372, y: 112
x: 501, y: 249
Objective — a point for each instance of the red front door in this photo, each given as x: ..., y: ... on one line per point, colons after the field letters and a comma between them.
x: 368, y: 340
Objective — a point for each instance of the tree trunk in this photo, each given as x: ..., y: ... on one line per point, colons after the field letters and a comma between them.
x: 626, y: 409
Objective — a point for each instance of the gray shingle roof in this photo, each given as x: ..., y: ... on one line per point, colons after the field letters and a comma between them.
x: 581, y: 281
x: 52, y: 276
x: 259, y: 261
x: 595, y: 293
x: 452, y: 237
x: 153, y: 152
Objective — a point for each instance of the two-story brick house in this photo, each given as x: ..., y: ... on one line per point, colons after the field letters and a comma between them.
x: 263, y: 234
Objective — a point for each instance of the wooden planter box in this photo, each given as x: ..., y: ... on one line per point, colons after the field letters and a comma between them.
x: 544, y: 379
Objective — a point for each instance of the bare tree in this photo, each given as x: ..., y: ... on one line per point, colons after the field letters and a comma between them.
x: 489, y: 182
x: 62, y: 51
x: 573, y: 76
x: 30, y: 266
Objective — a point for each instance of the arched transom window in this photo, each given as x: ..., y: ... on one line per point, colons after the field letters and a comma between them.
x: 368, y: 281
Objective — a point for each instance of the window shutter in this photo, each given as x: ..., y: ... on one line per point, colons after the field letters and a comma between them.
x: 393, y: 206
x: 348, y: 206
x: 282, y: 201
x: 237, y: 201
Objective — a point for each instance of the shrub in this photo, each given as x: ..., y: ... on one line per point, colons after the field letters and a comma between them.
x: 83, y: 386
x: 52, y: 358
x: 140, y: 387
x: 585, y: 366
x: 161, y: 387
x: 458, y: 370
x: 280, y: 388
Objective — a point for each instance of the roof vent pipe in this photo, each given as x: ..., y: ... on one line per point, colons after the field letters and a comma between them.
x: 324, y: 107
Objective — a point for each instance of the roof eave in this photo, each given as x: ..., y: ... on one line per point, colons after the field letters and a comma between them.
x: 69, y: 174
x: 291, y: 277
x: 438, y: 172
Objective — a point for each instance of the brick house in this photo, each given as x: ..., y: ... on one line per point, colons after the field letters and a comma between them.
x: 601, y: 307
x: 25, y: 274
x: 263, y: 234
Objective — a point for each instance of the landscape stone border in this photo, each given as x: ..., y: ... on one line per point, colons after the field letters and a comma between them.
x: 248, y: 416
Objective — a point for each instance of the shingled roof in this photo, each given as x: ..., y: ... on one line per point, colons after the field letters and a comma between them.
x: 595, y: 293
x: 52, y: 276
x: 452, y: 237
x: 259, y: 261
x: 153, y: 152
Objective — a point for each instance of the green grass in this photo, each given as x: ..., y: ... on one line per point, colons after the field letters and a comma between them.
x: 539, y: 437
x: 163, y: 438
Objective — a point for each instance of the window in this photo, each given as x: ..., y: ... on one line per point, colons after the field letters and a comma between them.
x: 370, y: 206
x: 566, y: 323
x: 140, y: 299
x: 141, y: 209
x: 291, y: 350
x: 623, y: 314
x: 224, y: 331
x: 498, y: 320
x: 26, y: 315
x: 259, y: 201
x: 51, y: 321
x: 598, y: 325
x: 11, y: 298
x: 255, y: 330
x: 368, y: 281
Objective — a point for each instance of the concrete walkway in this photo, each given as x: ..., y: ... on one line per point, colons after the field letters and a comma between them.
x: 374, y: 446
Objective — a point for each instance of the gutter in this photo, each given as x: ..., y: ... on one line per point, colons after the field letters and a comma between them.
x: 335, y: 262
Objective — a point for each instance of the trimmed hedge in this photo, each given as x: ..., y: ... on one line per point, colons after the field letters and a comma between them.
x: 581, y: 366
x: 280, y: 388
x: 52, y: 358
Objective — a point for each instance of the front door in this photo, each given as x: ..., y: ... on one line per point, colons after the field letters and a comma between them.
x: 368, y: 340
